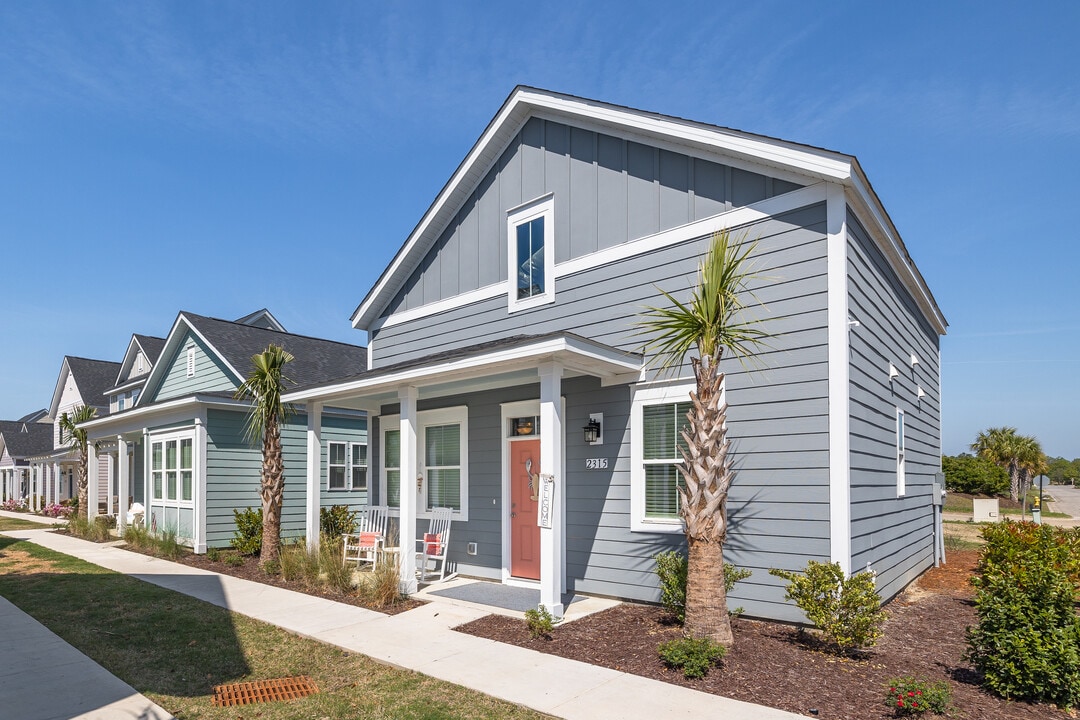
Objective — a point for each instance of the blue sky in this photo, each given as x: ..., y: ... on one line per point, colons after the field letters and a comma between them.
x: 222, y: 157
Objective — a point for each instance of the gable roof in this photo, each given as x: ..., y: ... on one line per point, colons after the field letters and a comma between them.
x: 262, y: 318
x: 41, y: 415
x: 810, y: 162
x: 92, y: 378
x: 234, y: 343
x: 150, y: 347
x: 26, y: 439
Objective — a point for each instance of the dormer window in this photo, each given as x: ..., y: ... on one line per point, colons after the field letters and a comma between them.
x: 531, y: 233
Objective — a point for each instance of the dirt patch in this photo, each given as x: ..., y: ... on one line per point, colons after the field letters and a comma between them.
x: 20, y: 562
x: 779, y: 666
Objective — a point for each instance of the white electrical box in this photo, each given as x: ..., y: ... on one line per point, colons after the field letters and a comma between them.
x: 986, y: 510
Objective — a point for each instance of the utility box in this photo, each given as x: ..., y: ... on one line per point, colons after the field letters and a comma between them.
x: 986, y: 510
x: 938, y: 494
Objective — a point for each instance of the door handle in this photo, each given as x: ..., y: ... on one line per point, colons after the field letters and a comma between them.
x: 513, y: 514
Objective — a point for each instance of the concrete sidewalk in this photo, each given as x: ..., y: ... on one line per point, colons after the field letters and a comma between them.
x: 44, y: 678
x: 422, y: 640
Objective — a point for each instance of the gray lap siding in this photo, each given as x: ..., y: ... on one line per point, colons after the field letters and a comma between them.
x: 894, y: 535
x: 778, y: 418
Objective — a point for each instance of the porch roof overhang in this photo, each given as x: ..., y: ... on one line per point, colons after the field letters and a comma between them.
x: 174, y: 410
x: 502, y: 363
x: 60, y: 454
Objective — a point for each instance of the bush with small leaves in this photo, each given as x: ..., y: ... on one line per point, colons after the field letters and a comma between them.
x: 247, y: 538
x: 540, y: 622
x: 694, y: 655
x: 213, y: 554
x: 337, y: 520
x: 1026, y: 643
x: 233, y: 559
x: 846, y: 610
x: 913, y: 696
x: 671, y: 568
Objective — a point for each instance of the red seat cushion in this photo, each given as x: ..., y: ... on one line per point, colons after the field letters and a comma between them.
x: 432, y: 543
x: 368, y: 539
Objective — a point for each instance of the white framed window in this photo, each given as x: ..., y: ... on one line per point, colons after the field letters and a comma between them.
x: 530, y: 230
x: 191, y: 362
x: 901, y: 432
x: 657, y: 416
x: 172, y: 470
x: 346, y: 466
x: 442, y: 438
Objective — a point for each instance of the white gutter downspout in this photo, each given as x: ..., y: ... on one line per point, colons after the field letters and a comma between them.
x: 839, y: 381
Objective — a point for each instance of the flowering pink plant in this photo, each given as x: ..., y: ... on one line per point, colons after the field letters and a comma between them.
x: 56, y: 510
x: 13, y: 505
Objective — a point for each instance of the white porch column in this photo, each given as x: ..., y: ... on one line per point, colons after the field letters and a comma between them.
x: 408, y: 494
x: 123, y: 481
x: 111, y: 461
x: 54, y: 485
x: 199, y: 486
x: 551, y: 463
x: 146, y: 476
x: 35, y: 489
x: 93, y: 490
x: 314, y: 474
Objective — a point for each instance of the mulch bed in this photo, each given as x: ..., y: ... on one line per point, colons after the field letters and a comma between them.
x: 250, y: 570
x: 777, y: 665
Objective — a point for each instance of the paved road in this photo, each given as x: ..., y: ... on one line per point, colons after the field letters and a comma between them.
x: 1066, y: 499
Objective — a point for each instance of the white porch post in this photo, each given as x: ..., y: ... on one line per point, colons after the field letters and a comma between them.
x: 123, y: 481
x: 314, y: 473
x: 408, y: 494
x: 93, y: 492
x: 199, y: 486
x: 35, y: 491
x: 45, y: 491
x: 111, y: 462
x: 551, y: 463
x: 54, y: 482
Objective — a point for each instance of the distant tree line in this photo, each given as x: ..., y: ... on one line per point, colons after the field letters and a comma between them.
x: 965, y: 473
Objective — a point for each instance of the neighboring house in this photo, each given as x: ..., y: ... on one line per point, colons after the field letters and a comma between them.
x: 20, y: 440
x: 191, y: 465
x: 53, y: 474
x: 507, y: 323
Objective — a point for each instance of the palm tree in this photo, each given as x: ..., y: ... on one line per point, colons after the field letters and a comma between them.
x: 264, y: 386
x: 75, y: 437
x: 1031, y: 462
x: 709, y: 323
x: 1020, y: 455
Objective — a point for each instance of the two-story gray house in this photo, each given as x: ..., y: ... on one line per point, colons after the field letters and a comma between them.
x: 506, y: 378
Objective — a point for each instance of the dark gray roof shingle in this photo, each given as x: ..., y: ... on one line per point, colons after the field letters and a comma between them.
x: 93, y: 378
x: 316, y: 360
x: 36, y: 440
x: 151, y: 345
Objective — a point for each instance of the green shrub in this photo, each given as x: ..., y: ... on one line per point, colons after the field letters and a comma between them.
x: 91, y: 530
x: 293, y: 558
x: 1027, y: 640
x: 694, y: 655
x: 846, y: 610
x: 271, y: 567
x: 968, y: 474
x: 539, y: 622
x: 912, y: 696
x: 213, y: 554
x: 337, y: 520
x: 233, y: 559
x: 247, y: 538
x: 671, y: 568
x: 106, y: 521
x: 382, y: 586
x: 138, y: 536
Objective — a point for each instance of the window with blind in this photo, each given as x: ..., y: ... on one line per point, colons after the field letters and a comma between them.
x: 346, y: 466
x: 661, y: 443
x: 658, y: 416
x: 442, y: 452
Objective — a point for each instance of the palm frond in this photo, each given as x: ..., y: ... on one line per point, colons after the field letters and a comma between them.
x: 264, y: 387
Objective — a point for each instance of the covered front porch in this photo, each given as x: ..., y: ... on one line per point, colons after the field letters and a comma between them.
x: 52, y: 478
x: 482, y: 430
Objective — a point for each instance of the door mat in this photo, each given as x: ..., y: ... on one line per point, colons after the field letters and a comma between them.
x: 249, y: 693
x: 507, y: 597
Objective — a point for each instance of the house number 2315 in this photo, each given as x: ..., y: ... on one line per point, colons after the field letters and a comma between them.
x: 596, y: 463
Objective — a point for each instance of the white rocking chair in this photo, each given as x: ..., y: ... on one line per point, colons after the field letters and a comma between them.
x: 365, y: 545
x: 433, y: 546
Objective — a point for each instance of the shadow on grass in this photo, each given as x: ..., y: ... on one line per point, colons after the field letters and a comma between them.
x: 156, y: 640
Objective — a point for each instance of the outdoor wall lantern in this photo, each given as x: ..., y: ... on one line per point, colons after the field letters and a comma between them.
x: 592, y: 430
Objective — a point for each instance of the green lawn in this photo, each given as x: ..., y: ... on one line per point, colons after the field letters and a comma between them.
x: 20, y: 524
x: 174, y: 648
x: 955, y: 502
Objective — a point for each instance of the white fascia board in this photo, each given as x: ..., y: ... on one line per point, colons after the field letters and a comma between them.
x: 172, y: 343
x: 803, y: 197
x: 437, y: 372
x: 129, y: 357
x: 58, y: 391
x: 872, y: 215
x: 820, y: 164
x: 134, y: 420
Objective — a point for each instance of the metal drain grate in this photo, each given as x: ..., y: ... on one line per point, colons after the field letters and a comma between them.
x: 259, y: 691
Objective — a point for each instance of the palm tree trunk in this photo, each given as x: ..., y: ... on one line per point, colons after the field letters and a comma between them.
x: 706, y: 600
x: 272, y: 491
x: 1014, y: 480
x: 84, y: 494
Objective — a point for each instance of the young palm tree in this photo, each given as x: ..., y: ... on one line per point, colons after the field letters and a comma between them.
x: 263, y: 387
x: 710, y: 323
x: 1018, y: 454
x: 75, y: 437
x: 1031, y: 461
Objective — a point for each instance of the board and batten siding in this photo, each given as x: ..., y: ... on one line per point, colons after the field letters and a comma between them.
x: 210, y: 374
x: 778, y: 415
x: 233, y: 470
x: 893, y: 535
x: 607, y: 190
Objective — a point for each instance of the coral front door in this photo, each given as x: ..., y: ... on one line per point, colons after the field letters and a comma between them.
x: 524, y: 489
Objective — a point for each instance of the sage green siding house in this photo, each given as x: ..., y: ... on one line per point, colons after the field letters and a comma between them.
x: 182, y: 435
x: 507, y: 381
